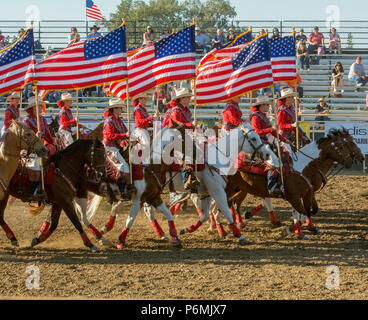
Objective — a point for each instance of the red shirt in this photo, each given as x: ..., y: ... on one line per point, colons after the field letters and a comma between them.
x: 113, y: 131
x: 285, y: 118
x: 11, y: 113
x: 166, y: 120
x: 66, y: 119
x: 181, y: 115
x: 261, y: 124
x: 31, y: 121
x: 141, y: 117
x: 316, y: 38
x: 231, y: 116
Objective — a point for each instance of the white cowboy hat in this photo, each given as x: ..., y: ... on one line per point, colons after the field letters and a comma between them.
x: 32, y: 102
x: 140, y: 95
x: 115, y: 103
x: 262, y: 100
x: 14, y: 95
x: 66, y: 96
x: 181, y: 93
x: 286, y: 93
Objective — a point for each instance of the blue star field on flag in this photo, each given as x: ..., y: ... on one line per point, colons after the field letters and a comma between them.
x: 256, y: 52
x: 113, y: 43
x: 282, y: 47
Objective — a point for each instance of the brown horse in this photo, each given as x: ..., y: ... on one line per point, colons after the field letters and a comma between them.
x: 18, y: 137
x: 337, y: 147
x: 69, y: 181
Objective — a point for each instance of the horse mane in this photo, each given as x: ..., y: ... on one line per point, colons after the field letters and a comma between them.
x: 78, y: 146
x: 332, y: 134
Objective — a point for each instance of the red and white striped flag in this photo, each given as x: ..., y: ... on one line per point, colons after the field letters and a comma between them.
x: 92, y: 11
x: 85, y: 64
x: 247, y: 70
x: 17, y: 63
x: 164, y: 61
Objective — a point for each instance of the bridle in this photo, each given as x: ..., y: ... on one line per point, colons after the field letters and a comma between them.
x: 255, y: 148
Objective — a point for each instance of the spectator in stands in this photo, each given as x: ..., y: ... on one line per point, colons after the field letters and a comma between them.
x: 262, y: 31
x: 148, y: 36
x: 163, y: 98
x: 201, y: 40
x: 47, y: 53
x: 366, y: 102
x: 301, y: 37
x: 302, y: 56
x: 357, y: 73
x: 94, y: 33
x: 218, y: 39
x: 334, y: 41
x: 230, y: 35
x: 74, y: 36
x: 275, y: 34
x: 322, y: 108
x: 316, y: 42
x: 2, y: 40
x: 165, y: 33
x: 338, y: 77
x: 21, y: 32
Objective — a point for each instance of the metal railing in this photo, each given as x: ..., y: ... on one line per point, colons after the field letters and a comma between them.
x: 54, y: 33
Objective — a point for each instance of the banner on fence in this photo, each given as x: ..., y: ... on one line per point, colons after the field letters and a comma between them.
x: 305, y: 126
x: 359, y: 131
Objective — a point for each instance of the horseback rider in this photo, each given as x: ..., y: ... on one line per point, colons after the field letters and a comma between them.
x: 66, y: 120
x: 11, y: 112
x: 181, y: 114
x: 33, y: 163
x: 267, y: 132
x: 286, y: 117
x: 115, y: 135
x: 231, y: 115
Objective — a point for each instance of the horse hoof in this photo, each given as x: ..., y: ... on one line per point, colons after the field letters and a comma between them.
x: 14, y: 243
x: 302, y: 236
x: 103, y: 241
x: 276, y: 224
x: 228, y: 236
x: 121, y: 245
x: 242, y: 241
x: 247, y: 215
x: 165, y: 237
x: 242, y: 226
x: 175, y: 242
x: 315, y: 231
x: 94, y: 249
x: 183, y: 231
x: 35, y: 242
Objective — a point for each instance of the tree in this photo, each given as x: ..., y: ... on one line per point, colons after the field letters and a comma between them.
x: 173, y: 14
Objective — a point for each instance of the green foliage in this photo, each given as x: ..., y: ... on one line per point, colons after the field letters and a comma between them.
x: 173, y: 14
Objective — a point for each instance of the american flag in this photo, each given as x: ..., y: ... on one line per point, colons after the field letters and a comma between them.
x: 229, y: 49
x: 247, y: 70
x: 160, y: 62
x: 283, y: 60
x: 92, y: 11
x: 85, y: 64
x: 17, y: 63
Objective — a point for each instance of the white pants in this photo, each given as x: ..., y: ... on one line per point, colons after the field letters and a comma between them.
x: 66, y: 138
x: 117, y: 159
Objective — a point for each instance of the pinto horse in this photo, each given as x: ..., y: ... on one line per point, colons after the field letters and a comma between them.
x: 314, y: 161
x: 68, y: 180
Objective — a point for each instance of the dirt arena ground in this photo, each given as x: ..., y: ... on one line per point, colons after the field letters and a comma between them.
x: 206, y: 267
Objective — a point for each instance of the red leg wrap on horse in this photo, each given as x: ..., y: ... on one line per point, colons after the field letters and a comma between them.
x: 199, y: 212
x: 157, y: 228
x: 194, y: 226
x: 235, y: 230
x: 232, y: 213
x: 110, y: 223
x: 172, y: 228
x: 45, y: 227
x: 221, y: 230
x: 44, y: 236
x: 178, y: 206
x: 124, y: 234
x: 256, y: 210
x: 213, y: 221
x: 9, y: 233
x: 309, y: 223
x: 239, y: 220
x: 94, y: 231
x: 172, y: 210
x: 273, y: 217
x: 85, y: 238
x: 295, y: 227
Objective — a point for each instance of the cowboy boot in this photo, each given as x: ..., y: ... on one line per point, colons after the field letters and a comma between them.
x: 33, y: 194
x: 273, y: 184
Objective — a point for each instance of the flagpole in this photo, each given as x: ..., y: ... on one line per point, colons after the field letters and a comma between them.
x: 77, y: 102
x: 20, y: 104
x: 38, y: 130
x: 296, y: 109
x: 157, y: 100
x: 195, y: 112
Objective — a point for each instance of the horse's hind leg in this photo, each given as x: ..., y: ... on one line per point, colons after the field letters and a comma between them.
x: 115, y: 209
x: 204, y: 205
x: 296, y: 226
x: 9, y: 233
x: 81, y: 204
x: 149, y: 212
